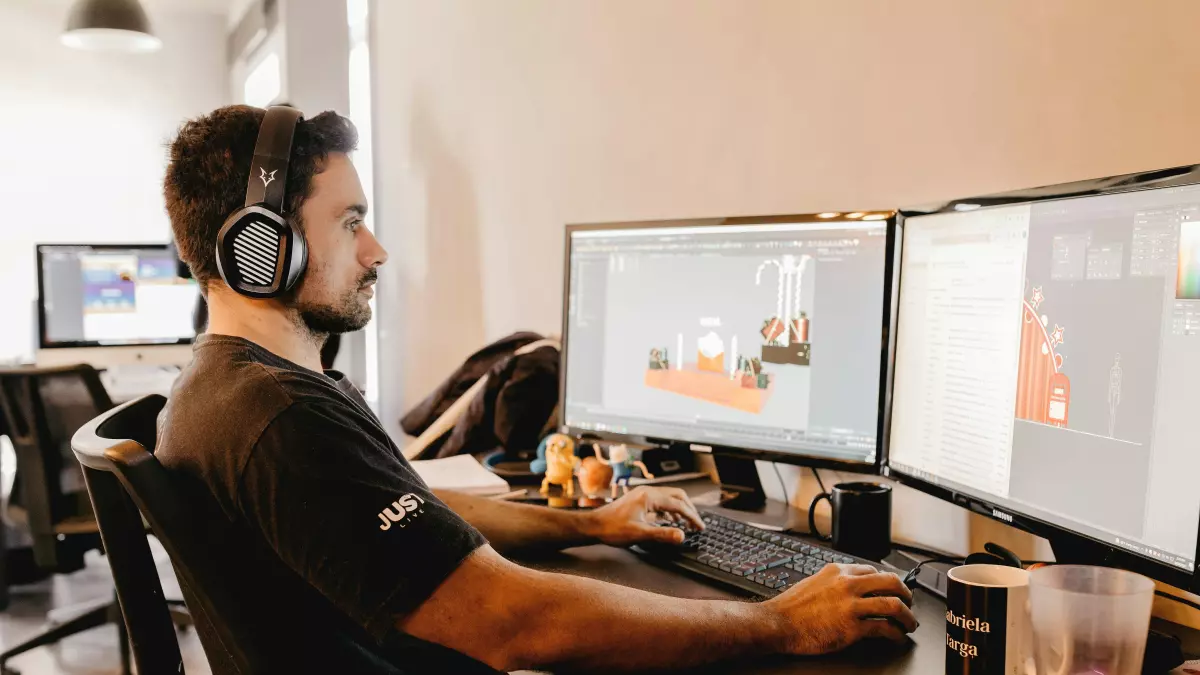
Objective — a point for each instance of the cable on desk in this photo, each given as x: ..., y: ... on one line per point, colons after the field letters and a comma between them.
x: 783, y: 485
x: 910, y: 579
x: 1176, y: 598
x: 819, y: 481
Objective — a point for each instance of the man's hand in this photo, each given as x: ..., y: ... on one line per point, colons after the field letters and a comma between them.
x: 830, y: 610
x: 635, y: 517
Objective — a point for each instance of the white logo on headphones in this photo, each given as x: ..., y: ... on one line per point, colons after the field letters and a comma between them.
x: 265, y: 178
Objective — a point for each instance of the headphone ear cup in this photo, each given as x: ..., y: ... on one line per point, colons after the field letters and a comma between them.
x: 259, y: 253
x: 298, y: 263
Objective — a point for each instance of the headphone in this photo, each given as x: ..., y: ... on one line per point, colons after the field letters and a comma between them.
x: 260, y: 254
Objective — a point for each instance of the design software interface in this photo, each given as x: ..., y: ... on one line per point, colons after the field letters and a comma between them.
x: 1047, y: 360
x: 112, y: 296
x: 754, y: 336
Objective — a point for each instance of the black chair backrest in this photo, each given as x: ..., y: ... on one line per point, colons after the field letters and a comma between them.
x: 43, y: 407
x: 110, y: 447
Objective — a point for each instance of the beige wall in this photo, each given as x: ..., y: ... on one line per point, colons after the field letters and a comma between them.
x: 498, y: 122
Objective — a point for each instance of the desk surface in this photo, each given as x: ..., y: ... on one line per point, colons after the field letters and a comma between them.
x: 925, y: 656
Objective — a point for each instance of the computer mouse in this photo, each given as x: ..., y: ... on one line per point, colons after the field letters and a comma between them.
x: 890, y: 620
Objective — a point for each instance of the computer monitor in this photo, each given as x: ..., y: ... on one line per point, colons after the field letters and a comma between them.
x: 757, y: 337
x: 1047, y: 365
x: 125, y: 297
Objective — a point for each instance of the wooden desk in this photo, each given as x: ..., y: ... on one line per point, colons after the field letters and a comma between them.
x: 926, y: 655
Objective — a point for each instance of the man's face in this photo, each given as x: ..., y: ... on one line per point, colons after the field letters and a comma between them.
x: 333, y: 295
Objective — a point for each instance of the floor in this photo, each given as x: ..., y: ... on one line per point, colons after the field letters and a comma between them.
x: 93, y: 652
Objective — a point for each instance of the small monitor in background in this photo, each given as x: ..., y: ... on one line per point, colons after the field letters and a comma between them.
x: 112, y: 296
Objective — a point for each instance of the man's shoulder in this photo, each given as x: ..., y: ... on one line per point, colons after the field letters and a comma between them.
x: 227, y: 397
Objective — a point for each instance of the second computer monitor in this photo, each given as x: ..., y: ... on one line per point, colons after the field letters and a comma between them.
x: 762, y: 335
x: 1048, y: 363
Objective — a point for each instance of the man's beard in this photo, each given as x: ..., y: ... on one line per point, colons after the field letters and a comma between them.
x: 346, y: 315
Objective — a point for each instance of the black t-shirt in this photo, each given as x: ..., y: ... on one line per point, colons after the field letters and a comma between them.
x: 326, y: 530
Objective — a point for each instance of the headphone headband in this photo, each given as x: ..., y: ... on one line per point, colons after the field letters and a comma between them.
x: 268, y: 168
x: 260, y: 253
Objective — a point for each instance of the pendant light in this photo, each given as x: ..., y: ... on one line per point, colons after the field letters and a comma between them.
x: 109, y: 25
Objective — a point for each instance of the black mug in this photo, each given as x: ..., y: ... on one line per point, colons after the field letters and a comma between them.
x: 987, y: 628
x: 862, y: 519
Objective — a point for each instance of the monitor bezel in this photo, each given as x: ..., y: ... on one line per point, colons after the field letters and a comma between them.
x: 1104, y: 553
x: 43, y: 343
x: 740, y: 452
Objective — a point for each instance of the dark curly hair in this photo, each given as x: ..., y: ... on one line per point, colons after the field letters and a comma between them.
x: 210, y: 167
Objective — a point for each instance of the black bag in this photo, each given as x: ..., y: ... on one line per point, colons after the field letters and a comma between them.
x: 517, y: 407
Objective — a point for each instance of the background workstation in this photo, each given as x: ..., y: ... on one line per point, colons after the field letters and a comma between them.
x: 496, y: 124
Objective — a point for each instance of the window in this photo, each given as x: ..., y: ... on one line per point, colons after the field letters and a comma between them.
x: 357, y: 15
x: 262, y: 85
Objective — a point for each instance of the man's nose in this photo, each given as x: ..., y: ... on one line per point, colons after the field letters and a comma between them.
x: 374, y: 254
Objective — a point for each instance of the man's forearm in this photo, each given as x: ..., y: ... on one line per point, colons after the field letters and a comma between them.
x: 513, y: 527
x: 513, y: 618
x: 628, y: 629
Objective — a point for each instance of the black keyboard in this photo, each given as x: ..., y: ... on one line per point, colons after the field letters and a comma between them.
x: 762, y: 562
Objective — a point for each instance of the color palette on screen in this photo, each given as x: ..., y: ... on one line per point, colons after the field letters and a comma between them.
x: 1187, y: 284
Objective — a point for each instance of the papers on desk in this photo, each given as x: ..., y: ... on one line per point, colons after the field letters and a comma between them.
x: 463, y: 473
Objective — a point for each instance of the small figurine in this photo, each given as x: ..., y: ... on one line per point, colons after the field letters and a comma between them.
x: 560, y: 464
x: 622, y: 463
x: 594, y: 476
x: 538, y: 465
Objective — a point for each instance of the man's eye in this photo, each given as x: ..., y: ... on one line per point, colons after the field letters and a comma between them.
x: 353, y: 224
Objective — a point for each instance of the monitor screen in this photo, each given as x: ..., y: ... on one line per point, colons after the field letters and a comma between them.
x: 112, y: 295
x: 763, y: 337
x: 1047, y: 362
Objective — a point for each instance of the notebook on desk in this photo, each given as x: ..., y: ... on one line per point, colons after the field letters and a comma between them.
x: 462, y: 473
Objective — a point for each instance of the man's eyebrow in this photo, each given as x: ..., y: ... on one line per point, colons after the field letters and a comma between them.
x: 360, y: 209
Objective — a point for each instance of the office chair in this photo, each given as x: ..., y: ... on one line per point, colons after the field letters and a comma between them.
x: 42, y: 407
x: 124, y: 477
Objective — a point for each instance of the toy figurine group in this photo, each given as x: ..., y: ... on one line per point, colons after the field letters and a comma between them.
x: 561, y: 466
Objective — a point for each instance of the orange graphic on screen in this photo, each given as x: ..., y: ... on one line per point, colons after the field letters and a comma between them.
x: 1043, y: 391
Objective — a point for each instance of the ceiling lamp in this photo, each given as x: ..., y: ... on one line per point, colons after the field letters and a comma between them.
x: 109, y: 25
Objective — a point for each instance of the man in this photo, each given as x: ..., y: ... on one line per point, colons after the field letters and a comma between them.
x: 301, y: 479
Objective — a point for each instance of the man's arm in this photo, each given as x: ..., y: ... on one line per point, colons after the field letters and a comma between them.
x: 512, y: 618
x: 513, y: 527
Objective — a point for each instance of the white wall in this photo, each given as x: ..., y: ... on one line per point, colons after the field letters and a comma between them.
x: 499, y: 122
x: 84, y: 138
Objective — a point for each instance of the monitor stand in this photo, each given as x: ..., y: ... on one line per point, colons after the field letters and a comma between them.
x: 1069, y: 550
x: 740, y: 487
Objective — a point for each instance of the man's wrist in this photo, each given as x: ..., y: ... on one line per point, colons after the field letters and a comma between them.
x: 589, y: 525
x: 775, y: 629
